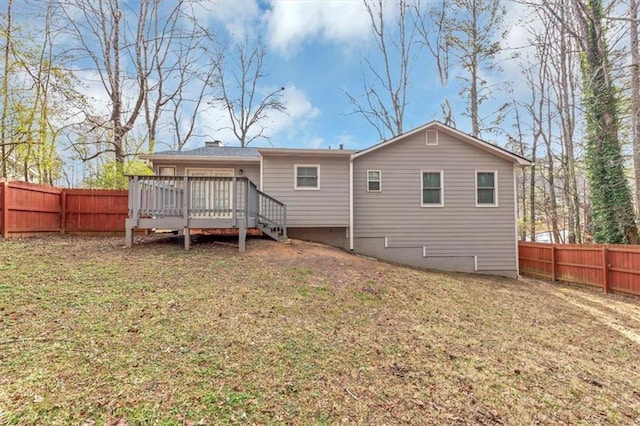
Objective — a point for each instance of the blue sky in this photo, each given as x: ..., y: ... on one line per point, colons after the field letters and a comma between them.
x: 316, y: 52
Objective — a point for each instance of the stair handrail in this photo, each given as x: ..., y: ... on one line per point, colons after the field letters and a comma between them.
x: 267, y: 209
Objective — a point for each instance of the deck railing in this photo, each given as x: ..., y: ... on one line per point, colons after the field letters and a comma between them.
x: 156, y: 196
x: 271, y: 213
x: 205, y: 197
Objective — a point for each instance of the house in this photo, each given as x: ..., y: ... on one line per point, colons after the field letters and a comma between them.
x: 433, y: 197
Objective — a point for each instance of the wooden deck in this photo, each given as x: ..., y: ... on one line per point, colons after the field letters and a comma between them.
x: 203, y: 202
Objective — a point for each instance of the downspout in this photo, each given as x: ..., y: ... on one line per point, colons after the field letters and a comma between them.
x: 261, y: 173
x: 351, y: 203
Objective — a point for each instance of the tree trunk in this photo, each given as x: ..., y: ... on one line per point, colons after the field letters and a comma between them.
x: 612, y: 205
x: 5, y: 93
x: 635, y: 97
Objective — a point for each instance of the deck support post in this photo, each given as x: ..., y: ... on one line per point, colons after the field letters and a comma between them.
x: 187, y: 238
x: 128, y: 235
x: 242, y: 238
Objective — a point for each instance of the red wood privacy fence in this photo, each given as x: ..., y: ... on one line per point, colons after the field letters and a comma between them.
x: 29, y: 209
x: 611, y: 267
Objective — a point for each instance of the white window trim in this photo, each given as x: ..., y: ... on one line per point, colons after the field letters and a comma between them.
x: 380, y: 181
x: 495, y: 188
x: 295, y: 178
x: 426, y: 137
x: 167, y: 167
x: 422, y: 172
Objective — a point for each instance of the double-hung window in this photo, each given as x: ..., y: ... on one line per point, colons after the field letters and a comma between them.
x: 307, y: 176
x: 486, y: 189
x: 432, y: 189
x: 374, y: 181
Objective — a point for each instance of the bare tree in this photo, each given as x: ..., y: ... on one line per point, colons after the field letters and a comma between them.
x: 612, y: 205
x: 564, y: 62
x: 465, y: 34
x: 240, y: 74
x: 185, y: 109
x: 114, y: 46
x: 142, y: 58
x: 635, y: 95
x: 5, y: 90
x: 385, y: 86
x: 174, y: 54
x: 38, y: 97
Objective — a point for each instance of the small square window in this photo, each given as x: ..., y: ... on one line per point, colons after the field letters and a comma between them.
x: 307, y: 177
x: 432, y: 189
x: 486, y: 189
x: 374, y: 181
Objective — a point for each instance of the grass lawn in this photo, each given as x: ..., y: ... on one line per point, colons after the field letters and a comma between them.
x: 92, y: 333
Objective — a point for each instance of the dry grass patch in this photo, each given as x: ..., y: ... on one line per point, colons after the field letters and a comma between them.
x: 299, y: 333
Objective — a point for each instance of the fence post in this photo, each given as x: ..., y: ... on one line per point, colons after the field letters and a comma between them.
x: 5, y: 209
x: 553, y: 263
x: 63, y: 211
x: 605, y: 268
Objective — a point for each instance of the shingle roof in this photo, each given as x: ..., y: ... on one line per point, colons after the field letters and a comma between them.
x: 212, y: 151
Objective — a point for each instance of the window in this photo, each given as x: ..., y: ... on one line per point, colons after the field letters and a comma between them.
x: 374, y: 181
x: 432, y: 137
x: 166, y: 171
x: 432, y: 189
x: 486, y: 189
x: 307, y: 176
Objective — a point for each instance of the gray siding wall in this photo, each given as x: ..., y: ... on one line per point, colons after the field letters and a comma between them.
x: 250, y: 170
x: 326, y: 207
x: 459, y: 230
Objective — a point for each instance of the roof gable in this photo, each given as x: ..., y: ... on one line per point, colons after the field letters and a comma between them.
x: 436, y: 125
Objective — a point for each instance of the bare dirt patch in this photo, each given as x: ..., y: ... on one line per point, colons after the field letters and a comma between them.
x: 298, y: 333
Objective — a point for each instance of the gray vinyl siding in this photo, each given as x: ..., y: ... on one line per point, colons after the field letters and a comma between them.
x: 325, y: 207
x: 250, y: 170
x: 459, y: 228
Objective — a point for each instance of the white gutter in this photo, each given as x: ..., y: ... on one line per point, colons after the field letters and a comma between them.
x: 351, y: 202
x: 201, y: 158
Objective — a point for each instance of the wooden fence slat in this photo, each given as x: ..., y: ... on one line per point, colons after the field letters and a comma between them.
x: 63, y: 212
x: 554, y: 275
x: 605, y: 269
x: 610, y: 267
x: 5, y: 209
x: 31, y: 209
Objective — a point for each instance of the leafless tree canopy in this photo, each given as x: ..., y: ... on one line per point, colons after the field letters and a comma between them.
x: 387, y: 70
x: 240, y: 74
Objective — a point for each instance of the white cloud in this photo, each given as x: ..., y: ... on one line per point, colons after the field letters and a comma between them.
x: 238, y: 17
x: 280, y: 127
x: 292, y: 23
x: 300, y: 111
